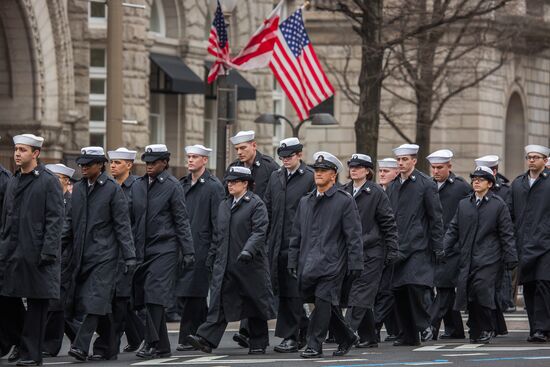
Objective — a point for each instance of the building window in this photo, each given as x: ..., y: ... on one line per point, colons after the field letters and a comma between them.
x: 98, y: 96
x: 156, y: 119
x: 279, y: 109
x: 211, y: 129
x: 97, y: 13
x: 157, y: 24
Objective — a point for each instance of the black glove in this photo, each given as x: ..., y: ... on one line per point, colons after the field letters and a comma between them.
x: 244, y: 257
x: 439, y: 256
x: 511, y: 265
x: 46, y: 259
x: 187, y: 261
x: 353, y: 274
x: 209, y: 263
x: 129, y: 266
x: 391, y: 257
x: 293, y: 273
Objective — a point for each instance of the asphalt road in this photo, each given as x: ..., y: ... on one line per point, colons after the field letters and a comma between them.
x: 506, y: 351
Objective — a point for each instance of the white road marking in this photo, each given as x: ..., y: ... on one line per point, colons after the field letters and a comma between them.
x: 465, y: 354
x: 477, y: 348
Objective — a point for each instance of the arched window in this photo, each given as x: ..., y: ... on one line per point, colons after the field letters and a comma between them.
x: 158, y: 23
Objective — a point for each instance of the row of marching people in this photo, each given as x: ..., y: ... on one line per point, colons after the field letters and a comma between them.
x: 122, y: 248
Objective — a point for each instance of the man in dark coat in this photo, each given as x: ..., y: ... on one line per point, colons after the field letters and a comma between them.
x: 122, y: 315
x: 325, y: 245
x: 481, y: 234
x: 261, y: 166
x: 415, y: 202
x: 30, y: 243
x: 379, y: 245
x: 163, y: 239
x: 56, y: 326
x: 241, y: 287
x: 529, y: 205
x: 451, y: 189
x: 203, y: 195
x: 384, y: 310
x: 285, y: 189
x: 98, y: 225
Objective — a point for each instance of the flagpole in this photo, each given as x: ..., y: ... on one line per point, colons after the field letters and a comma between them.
x: 306, y: 5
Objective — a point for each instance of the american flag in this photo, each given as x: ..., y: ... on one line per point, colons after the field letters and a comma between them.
x: 257, y: 52
x: 218, y: 45
x: 297, y: 68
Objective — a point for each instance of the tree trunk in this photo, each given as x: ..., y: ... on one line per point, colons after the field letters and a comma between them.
x: 370, y: 81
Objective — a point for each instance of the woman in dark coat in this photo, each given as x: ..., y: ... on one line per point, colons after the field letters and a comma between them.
x: 481, y: 233
x: 379, y: 238
x: 241, y: 286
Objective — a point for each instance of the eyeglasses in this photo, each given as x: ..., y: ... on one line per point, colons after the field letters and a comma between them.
x: 287, y: 157
x: 533, y: 157
x: 479, y: 179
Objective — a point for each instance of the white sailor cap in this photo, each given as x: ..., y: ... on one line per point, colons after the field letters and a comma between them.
x: 326, y: 160
x: 122, y: 153
x: 155, y: 152
x: 406, y: 149
x: 239, y: 173
x: 487, y: 161
x: 198, y: 149
x: 357, y: 160
x: 440, y: 156
x: 61, y: 169
x: 289, y: 146
x: 533, y: 148
x: 91, y: 154
x: 242, y: 137
x: 388, y: 163
x: 29, y: 139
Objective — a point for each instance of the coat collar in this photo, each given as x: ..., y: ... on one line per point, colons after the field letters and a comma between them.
x: 543, y: 176
x: 129, y: 181
x: 490, y: 195
x: 161, y: 178
x: 101, y: 179
x: 36, y: 172
x: 245, y: 199
x: 366, y: 188
x: 450, y: 180
x: 204, y: 177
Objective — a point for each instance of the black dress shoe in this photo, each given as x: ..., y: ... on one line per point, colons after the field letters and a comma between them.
x: 130, y: 348
x: 287, y: 346
x: 200, y: 343
x: 256, y: 350
x: 484, y: 337
x: 100, y: 357
x: 47, y: 355
x: 343, y: 348
x: 367, y: 344
x: 28, y: 362
x: 537, y: 337
x: 330, y: 340
x: 149, y: 352
x: 78, y: 354
x: 185, y: 347
x: 427, y: 334
x: 404, y: 343
x: 241, y: 340
x: 451, y: 336
x: 511, y: 309
x: 390, y: 338
x: 311, y: 353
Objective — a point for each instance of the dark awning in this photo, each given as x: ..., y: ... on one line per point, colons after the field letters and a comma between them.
x: 245, y: 90
x: 170, y: 75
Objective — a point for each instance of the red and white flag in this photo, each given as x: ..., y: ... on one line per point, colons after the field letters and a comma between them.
x: 297, y: 68
x: 259, y: 49
x: 218, y: 46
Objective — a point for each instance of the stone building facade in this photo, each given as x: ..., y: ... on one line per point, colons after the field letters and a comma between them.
x: 53, y: 82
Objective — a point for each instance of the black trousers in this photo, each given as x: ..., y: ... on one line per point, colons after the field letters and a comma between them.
x: 384, y: 310
x: 95, y: 323
x: 134, y: 327
x: 12, y: 318
x: 292, y: 320
x: 323, y: 317
x: 56, y: 327
x: 108, y: 345
x: 156, y: 333
x: 257, y: 329
x: 361, y: 320
x: 412, y: 311
x: 34, y: 328
x: 193, y: 314
x: 442, y: 309
x: 537, y: 302
x: 479, y: 319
